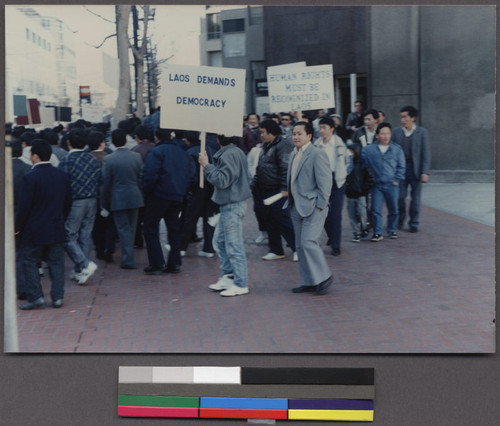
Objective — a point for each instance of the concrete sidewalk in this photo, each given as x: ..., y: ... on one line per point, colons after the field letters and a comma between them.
x: 429, y: 292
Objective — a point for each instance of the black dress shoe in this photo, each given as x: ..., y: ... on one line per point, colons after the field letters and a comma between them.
x: 22, y: 296
x: 154, y: 270
x: 57, y: 303
x: 172, y: 269
x: 108, y: 258
x: 321, y: 288
x: 335, y: 252
x: 304, y: 289
x: 38, y: 303
x: 413, y: 229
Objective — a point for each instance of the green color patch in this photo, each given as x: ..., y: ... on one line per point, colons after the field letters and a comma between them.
x: 158, y: 401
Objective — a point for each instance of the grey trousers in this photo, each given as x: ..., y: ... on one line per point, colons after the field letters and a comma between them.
x: 313, y: 268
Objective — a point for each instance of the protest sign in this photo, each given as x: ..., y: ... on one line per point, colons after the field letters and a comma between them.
x: 92, y: 113
x: 206, y: 99
x: 299, y: 88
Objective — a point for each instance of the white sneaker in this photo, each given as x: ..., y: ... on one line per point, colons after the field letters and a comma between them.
x: 272, y: 256
x: 75, y: 275
x: 202, y: 253
x: 261, y: 238
x: 183, y: 253
x: 87, y: 272
x: 234, y: 290
x: 295, y: 256
x: 225, y: 282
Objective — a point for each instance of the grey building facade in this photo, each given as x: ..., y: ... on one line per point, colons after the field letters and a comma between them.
x: 441, y: 59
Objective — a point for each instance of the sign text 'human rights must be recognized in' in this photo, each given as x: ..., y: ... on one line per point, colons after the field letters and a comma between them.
x: 206, y: 99
x: 298, y: 88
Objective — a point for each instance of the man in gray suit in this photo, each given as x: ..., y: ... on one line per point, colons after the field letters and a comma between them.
x: 309, y: 182
x: 121, y: 193
x: 415, y: 143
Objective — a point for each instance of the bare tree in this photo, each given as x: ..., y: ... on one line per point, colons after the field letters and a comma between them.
x: 139, y: 56
x: 122, y: 103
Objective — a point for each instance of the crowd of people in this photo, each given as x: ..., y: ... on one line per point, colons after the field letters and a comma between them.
x: 82, y: 188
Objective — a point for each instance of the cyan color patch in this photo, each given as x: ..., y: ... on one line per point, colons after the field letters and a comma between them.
x: 242, y: 403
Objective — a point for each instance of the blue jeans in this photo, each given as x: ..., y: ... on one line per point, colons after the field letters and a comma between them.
x: 228, y: 242
x: 54, y: 256
x: 79, y: 226
x: 390, y: 193
x: 416, y: 195
x: 356, y: 208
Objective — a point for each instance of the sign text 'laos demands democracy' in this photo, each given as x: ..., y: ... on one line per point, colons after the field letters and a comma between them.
x: 208, y: 99
x: 297, y: 88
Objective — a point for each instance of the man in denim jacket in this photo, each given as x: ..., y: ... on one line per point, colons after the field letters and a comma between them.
x: 229, y: 176
x: 388, y: 164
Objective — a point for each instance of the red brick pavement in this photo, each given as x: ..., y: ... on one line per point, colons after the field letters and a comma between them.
x: 430, y: 292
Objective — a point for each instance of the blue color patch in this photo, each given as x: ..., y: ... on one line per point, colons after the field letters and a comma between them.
x: 242, y: 403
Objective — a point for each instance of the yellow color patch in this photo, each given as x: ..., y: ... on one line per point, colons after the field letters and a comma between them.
x: 348, y: 415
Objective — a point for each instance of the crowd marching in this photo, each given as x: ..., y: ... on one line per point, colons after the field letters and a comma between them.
x: 84, y: 187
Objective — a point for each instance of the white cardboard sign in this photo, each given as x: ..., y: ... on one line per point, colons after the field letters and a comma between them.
x: 92, y: 113
x: 299, y: 88
x: 206, y: 99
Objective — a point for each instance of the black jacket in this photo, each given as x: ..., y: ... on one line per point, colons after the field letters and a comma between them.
x: 361, y: 179
x: 273, y: 166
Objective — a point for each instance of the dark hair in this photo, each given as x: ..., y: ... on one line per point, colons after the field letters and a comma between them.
x: 328, y: 121
x: 94, y: 140
x: 18, y: 131
x: 225, y: 140
x: 359, y: 101
x: 308, y: 127
x: 372, y: 112
x: 51, y: 137
x: 119, y: 137
x: 77, y: 138
x: 28, y: 137
x: 253, y: 113
x: 17, y: 149
x: 381, y: 126
x: 126, y: 125
x: 287, y: 114
x: 143, y: 132
x: 381, y: 112
x: 192, y: 136
x: 59, y: 128
x: 41, y: 148
x: 411, y: 110
x: 271, y: 127
x: 163, y: 134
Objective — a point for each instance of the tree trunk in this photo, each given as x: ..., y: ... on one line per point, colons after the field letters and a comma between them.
x: 139, y: 55
x: 122, y: 103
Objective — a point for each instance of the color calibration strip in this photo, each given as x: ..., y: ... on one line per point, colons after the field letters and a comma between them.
x: 247, y: 393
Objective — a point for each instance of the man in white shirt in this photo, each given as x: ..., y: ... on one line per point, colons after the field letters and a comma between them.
x: 339, y: 159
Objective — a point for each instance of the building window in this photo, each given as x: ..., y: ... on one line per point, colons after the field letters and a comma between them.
x: 213, y: 26
x: 39, y: 41
x: 33, y: 37
x: 233, y: 25
x: 27, y: 34
x: 234, y: 45
x: 256, y: 15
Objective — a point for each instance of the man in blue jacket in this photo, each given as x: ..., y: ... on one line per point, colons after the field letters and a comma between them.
x: 388, y: 164
x: 168, y: 173
x: 44, y: 204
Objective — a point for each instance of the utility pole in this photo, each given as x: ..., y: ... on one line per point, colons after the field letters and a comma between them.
x: 135, y: 24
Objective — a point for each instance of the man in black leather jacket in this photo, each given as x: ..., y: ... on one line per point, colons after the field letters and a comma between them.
x: 269, y: 180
